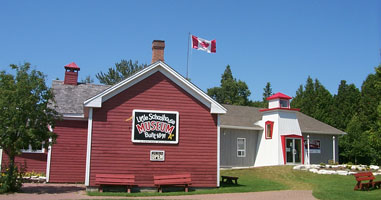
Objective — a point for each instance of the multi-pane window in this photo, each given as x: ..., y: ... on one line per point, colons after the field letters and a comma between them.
x: 29, y: 149
x: 241, y: 147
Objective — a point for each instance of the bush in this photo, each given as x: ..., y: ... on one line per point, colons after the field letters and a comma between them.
x: 12, y: 181
x: 331, y: 162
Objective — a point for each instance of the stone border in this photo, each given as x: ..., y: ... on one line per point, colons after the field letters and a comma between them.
x: 338, y: 169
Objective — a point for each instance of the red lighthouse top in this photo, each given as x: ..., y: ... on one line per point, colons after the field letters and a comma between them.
x: 72, y: 66
x: 278, y: 96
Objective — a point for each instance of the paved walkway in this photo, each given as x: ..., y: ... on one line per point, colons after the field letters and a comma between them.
x: 73, y: 191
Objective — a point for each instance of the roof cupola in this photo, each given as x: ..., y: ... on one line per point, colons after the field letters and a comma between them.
x: 71, y: 74
x: 279, y: 100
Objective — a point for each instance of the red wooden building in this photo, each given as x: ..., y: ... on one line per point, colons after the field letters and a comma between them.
x: 155, y: 122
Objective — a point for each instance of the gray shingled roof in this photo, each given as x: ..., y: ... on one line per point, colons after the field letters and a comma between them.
x: 69, y: 98
x: 242, y: 116
x: 311, y: 125
x: 246, y: 116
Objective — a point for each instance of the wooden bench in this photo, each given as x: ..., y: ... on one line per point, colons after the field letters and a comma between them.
x: 115, y: 179
x: 366, y: 176
x: 183, y: 180
x: 229, y: 179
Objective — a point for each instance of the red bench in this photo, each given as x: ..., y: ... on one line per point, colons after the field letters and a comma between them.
x: 366, y: 176
x: 183, y: 180
x: 115, y: 179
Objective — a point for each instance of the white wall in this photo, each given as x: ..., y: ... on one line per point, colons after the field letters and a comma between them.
x: 274, y: 103
x: 267, y: 153
x: 270, y: 151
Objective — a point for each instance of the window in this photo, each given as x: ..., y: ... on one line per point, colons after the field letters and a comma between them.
x: 30, y: 150
x: 283, y: 103
x: 241, y: 147
x: 269, y: 125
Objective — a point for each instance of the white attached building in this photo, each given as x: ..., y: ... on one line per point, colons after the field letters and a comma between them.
x: 277, y: 135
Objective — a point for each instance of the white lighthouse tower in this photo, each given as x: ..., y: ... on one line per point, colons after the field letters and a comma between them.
x: 281, y: 141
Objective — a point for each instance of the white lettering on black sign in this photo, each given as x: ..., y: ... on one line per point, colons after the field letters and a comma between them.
x: 155, y: 126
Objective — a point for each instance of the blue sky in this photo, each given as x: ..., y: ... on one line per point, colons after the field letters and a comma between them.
x: 281, y: 42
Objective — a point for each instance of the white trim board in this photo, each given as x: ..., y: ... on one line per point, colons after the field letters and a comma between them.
x: 96, y: 101
x: 1, y: 157
x: 218, y: 150
x: 88, y: 153
x: 49, y: 160
x: 242, y: 127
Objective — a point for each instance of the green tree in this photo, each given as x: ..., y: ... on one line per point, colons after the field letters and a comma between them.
x: 354, y: 147
x: 230, y: 91
x: 345, y: 104
x: 362, y: 144
x: 88, y: 79
x: 26, y: 113
x: 314, y: 100
x: 122, y: 70
x: 267, y: 92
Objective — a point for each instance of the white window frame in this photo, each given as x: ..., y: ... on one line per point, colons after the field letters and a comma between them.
x: 30, y: 150
x: 241, y: 150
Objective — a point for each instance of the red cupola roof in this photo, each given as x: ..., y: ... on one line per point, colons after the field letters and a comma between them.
x: 72, y: 66
x: 278, y: 96
x: 71, y: 74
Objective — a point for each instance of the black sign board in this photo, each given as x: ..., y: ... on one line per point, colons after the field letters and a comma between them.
x: 150, y: 126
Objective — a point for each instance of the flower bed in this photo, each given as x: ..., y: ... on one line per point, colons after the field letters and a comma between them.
x: 339, y: 169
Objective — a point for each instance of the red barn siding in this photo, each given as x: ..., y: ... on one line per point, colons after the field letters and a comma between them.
x: 112, y: 148
x: 68, y: 159
x: 34, y: 161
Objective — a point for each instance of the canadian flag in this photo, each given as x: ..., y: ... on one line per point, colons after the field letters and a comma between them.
x: 204, y: 45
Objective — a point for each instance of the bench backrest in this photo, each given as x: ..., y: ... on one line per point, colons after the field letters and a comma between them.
x: 172, y: 179
x: 114, y: 179
x: 364, y: 176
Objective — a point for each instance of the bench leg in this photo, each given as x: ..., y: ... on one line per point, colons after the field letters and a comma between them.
x: 357, y: 186
x: 160, y: 189
x: 100, y: 188
x: 128, y: 189
x: 186, y: 188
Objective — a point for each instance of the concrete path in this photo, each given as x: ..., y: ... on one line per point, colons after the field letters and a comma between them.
x: 73, y: 191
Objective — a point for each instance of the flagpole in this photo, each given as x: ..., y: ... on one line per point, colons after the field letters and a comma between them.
x: 188, y: 54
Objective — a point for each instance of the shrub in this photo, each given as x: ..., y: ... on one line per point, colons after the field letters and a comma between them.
x: 33, y: 173
x: 331, y: 162
x: 11, y: 180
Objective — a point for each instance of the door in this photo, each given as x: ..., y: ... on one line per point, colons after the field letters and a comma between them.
x: 293, y: 150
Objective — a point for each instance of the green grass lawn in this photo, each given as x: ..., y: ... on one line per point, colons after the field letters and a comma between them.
x: 278, y: 178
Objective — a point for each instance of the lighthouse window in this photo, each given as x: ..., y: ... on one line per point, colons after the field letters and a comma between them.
x: 283, y: 103
x: 241, y: 147
x: 269, y: 129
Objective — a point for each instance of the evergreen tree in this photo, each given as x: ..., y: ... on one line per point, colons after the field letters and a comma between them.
x: 230, y: 91
x: 345, y: 104
x: 314, y: 100
x: 354, y: 147
x: 88, y: 79
x: 122, y: 70
x: 362, y: 144
x: 267, y: 92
